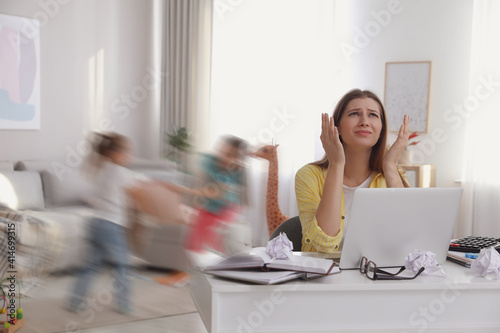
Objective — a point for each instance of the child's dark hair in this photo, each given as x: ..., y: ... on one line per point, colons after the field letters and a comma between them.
x: 103, y: 145
x: 236, y: 142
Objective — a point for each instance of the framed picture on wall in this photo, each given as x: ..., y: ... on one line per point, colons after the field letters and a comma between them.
x: 407, y: 90
x: 19, y: 73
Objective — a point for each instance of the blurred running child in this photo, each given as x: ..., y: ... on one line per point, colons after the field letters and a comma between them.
x: 220, y: 196
x: 108, y: 226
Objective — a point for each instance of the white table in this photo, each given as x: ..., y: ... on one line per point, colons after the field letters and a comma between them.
x: 351, y: 302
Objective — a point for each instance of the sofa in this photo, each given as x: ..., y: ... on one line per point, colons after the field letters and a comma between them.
x: 52, y: 197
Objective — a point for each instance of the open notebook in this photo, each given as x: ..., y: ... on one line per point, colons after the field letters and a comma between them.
x: 258, y: 267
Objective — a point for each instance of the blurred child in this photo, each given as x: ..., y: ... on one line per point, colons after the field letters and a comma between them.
x: 107, y: 231
x: 221, y: 195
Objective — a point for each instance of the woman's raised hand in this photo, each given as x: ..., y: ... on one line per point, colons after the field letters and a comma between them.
x: 398, y: 147
x: 331, y: 141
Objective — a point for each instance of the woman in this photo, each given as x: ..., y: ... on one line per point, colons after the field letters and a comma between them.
x: 354, y: 140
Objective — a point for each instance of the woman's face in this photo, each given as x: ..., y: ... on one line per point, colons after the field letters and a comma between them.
x: 361, y: 123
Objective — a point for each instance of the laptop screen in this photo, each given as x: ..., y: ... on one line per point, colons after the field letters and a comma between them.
x: 386, y: 224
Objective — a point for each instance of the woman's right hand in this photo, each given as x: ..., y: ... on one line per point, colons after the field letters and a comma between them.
x: 331, y: 141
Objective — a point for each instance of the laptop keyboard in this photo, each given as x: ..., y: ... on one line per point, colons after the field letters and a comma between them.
x: 474, y: 244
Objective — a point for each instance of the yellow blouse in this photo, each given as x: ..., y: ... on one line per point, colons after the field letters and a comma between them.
x: 309, y: 182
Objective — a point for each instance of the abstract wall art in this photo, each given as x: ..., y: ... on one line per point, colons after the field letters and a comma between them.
x: 19, y: 73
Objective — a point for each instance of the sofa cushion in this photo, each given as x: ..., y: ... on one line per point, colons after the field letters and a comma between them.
x: 67, y: 189
x: 62, y: 185
x: 21, y: 190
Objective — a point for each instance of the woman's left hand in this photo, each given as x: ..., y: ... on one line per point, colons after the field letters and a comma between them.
x: 398, y: 147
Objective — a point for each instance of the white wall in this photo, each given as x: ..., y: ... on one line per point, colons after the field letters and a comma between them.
x: 439, y: 31
x: 77, y: 29
x: 77, y: 91
x: 272, y: 76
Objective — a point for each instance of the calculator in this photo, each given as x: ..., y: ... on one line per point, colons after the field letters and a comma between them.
x: 474, y: 244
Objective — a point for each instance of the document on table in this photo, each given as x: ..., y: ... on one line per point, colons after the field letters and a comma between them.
x: 269, y: 277
x: 257, y: 266
x: 258, y: 258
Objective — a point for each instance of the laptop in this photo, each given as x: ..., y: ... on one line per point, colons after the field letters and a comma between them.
x: 386, y: 224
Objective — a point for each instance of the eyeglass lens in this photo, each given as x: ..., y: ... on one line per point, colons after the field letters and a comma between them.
x: 369, y: 268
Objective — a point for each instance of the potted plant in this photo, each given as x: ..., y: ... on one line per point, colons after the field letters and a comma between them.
x: 178, y: 147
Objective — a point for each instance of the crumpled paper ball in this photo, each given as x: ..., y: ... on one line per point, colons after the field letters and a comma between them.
x: 487, y: 263
x: 420, y: 258
x: 280, y: 247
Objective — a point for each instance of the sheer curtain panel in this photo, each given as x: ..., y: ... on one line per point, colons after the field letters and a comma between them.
x: 187, y: 29
x: 481, y: 209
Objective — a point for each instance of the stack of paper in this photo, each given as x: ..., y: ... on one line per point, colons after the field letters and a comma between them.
x: 461, y: 258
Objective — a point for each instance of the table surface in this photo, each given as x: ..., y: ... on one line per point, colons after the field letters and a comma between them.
x: 220, y: 300
x: 353, y: 279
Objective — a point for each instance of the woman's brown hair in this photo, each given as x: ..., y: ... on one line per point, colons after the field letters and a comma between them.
x: 379, y: 149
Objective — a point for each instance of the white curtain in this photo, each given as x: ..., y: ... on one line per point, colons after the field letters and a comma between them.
x: 273, y: 74
x: 187, y: 28
x: 481, y: 181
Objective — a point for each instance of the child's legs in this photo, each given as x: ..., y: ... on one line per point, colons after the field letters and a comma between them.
x: 91, y: 266
x: 228, y: 213
x: 218, y: 228
x: 201, y: 230
x: 114, y: 243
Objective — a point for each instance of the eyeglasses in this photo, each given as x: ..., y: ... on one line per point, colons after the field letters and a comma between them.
x: 370, y: 269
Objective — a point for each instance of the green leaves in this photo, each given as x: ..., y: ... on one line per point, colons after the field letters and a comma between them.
x: 179, y: 139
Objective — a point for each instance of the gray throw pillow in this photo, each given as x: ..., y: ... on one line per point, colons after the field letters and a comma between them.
x: 68, y: 189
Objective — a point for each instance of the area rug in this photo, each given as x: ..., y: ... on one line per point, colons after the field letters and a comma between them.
x: 44, y: 306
